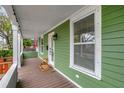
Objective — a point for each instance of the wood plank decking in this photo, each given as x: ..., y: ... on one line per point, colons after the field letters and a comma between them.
x: 31, y: 76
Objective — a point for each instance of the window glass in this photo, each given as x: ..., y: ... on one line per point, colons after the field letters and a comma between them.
x: 84, y: 38
x: 84, y: 56
x: 84, y: 30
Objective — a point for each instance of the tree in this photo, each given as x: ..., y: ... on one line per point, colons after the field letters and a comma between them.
x: 6, y: 28
x: 5, y: 25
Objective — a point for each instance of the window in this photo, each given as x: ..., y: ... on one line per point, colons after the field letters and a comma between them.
x: 85, y: 55
x: 41, y: 47
x: 84, y: 42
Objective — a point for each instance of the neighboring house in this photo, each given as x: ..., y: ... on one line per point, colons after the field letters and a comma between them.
x: 88, y: 47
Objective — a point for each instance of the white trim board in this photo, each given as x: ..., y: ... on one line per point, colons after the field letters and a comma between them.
x: 68, y: 78
x: 51, y: 46
x: 65, y: 76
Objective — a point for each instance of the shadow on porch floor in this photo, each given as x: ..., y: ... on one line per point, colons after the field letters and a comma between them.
x: 30, y: 76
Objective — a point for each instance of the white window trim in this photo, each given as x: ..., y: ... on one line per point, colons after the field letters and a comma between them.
x: 41, y: 52
x: 82, y: 14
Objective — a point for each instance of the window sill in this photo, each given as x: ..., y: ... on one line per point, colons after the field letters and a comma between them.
x: 85, y: 71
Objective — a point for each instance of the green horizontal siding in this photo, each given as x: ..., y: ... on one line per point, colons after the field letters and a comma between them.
x: 30, y: 54
x: 114, y: 61
x: 113, y: 35
x: 118, y: 48
x: 112, y: 50
x: 113, y: 45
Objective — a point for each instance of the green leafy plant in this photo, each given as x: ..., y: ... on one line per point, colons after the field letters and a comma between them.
x: 9, y: 53
x: 1, y: 56
x: 6, y: 53
x: 27, y: 42
x: 1, y: 53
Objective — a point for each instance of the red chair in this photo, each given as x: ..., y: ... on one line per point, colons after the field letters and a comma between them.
x: 5, y: 68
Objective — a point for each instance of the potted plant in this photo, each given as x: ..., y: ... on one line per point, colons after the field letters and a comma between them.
x: 7, y: 55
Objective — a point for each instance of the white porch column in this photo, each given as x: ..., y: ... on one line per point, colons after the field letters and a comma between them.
x: 15, y: 44
x: 22, y: 44
x: 19, y: 49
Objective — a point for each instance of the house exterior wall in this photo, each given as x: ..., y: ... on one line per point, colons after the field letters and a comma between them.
x: 112, y: 50
x: 29, y: 54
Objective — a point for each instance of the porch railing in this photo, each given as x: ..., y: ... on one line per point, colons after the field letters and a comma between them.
x: 4, y: 66
x: 10, y: 78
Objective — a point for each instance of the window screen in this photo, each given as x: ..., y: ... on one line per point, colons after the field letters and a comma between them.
x: 84, y: 43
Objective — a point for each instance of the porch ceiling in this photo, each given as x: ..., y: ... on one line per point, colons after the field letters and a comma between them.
x: 40, y: 18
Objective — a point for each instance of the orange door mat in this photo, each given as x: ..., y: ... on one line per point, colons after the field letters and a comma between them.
x: 44, y: 66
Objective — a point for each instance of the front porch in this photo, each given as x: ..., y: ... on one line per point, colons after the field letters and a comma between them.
x: 84, y: 43
x: 30, y: 76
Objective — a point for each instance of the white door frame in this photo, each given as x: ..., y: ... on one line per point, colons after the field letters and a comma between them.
x: 50, y: 41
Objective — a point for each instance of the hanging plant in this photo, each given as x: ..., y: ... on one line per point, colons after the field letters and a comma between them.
x: 5, y: 25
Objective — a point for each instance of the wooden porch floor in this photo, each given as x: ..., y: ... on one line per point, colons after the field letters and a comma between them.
x: 30, y: 76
